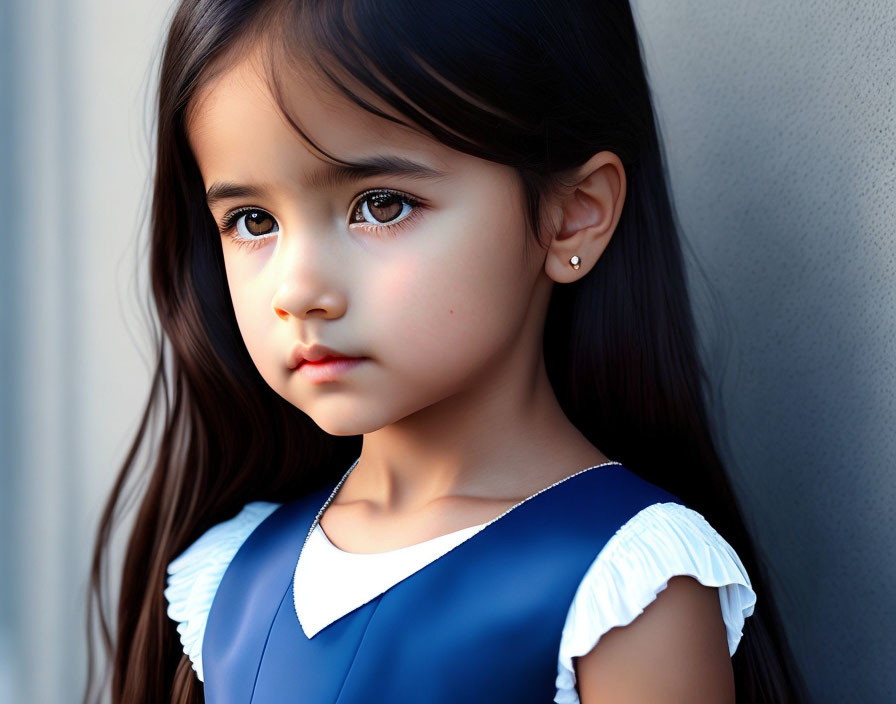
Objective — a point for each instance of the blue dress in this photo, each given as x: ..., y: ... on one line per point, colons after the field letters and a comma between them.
x: 482, y: 623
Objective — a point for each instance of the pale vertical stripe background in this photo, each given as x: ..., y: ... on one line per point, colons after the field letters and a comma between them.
x: 75, y: 173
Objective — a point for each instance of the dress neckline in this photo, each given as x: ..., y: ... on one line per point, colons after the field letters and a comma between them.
x: 404, y: 548
x: 481, y: 526
x: 473, y: 533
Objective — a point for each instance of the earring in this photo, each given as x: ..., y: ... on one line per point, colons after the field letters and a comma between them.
x: 575, y: 261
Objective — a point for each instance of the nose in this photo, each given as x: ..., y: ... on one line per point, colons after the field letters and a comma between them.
x: 295, y: 299
x: 304, y: 291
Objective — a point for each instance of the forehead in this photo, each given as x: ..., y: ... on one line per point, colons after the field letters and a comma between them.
x: 235, y: 119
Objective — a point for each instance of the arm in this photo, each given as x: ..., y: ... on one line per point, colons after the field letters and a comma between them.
x: 676, y: 651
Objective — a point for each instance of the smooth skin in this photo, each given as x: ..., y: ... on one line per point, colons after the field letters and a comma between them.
x: 447, y: 303
x: 675, y: 652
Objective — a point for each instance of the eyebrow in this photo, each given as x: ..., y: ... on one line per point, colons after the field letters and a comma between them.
x: 332, y: 175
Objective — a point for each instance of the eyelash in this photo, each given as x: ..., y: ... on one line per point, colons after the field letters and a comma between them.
x: 228, y: 222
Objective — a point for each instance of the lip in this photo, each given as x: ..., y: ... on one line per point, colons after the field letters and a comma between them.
x: 328, y: 369
x: 315, y: 354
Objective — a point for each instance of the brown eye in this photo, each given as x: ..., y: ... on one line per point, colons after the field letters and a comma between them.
x: 383, y: 208
x: 258, y: 222
x: 251, y: 224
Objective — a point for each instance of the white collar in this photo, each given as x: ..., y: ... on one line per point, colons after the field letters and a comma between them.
x: 329, y: 582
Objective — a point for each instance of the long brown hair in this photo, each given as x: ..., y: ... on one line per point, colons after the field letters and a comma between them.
x: 539, y: 85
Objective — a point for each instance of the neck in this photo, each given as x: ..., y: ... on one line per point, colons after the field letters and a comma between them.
x: 500, y: 441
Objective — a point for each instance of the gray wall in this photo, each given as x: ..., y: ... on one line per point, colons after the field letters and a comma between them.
x: 779, y: 124
x: 780, y: 121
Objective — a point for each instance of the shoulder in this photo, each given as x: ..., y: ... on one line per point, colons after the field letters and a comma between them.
x: 194, y: 575
x: 669, y: 562
x: 675, y: 651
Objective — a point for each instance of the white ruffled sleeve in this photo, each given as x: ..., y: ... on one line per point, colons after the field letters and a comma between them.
x: 659, y: 542
x: 194, y: 575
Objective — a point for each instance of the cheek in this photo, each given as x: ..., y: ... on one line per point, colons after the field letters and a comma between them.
x: 449, y: 305
x: 412, y: 300
x: 251, y: 308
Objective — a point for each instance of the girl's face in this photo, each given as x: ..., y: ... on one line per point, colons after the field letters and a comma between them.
x: 423, y: 273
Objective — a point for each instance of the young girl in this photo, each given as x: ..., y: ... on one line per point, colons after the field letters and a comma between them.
x: 433, y: 424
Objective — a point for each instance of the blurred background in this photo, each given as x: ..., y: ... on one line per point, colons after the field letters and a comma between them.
x: 779, y: 124
x: 76, y: 78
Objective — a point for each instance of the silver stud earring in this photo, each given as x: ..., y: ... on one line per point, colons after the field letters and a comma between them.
x: 575, y: 261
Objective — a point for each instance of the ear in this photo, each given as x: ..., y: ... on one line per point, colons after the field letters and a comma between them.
x: 583, y: 216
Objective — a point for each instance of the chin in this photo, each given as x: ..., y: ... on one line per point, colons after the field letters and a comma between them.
x: 344, y: 427
x: 343, y: 422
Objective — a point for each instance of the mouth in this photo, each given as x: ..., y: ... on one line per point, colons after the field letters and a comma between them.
x: 315, y: 354
x: 329, y: 358
x: 328, y: 369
